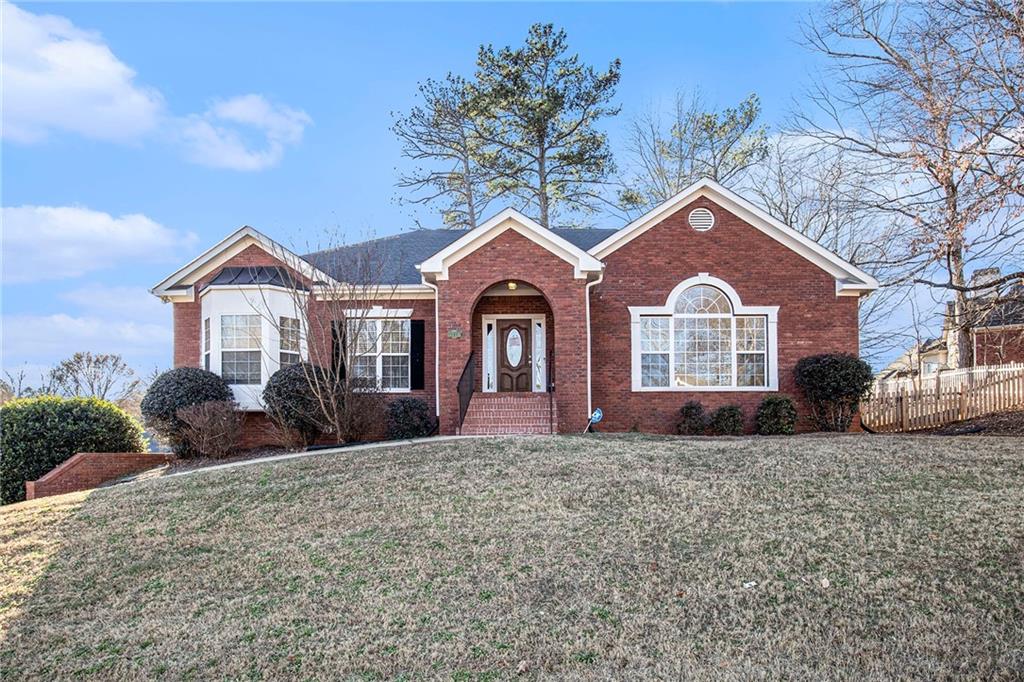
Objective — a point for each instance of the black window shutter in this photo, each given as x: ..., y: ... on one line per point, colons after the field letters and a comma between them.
x: 338, y: 349
x: 416, y: 331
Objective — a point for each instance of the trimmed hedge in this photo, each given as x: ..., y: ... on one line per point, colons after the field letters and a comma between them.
x: 833, y: 385
x: 37, y: 434
x: 409, y: 418
x: 692, y: 420
x: 173, y: 390
x: 727, y: 420
x: 291, y: 403
x: 776, y: 416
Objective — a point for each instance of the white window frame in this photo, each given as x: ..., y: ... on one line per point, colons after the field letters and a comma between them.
x: 770, y: 313
x: 256, y: 346
x: 282, y: 351
x: 393, y: 315
x: 207, y: 344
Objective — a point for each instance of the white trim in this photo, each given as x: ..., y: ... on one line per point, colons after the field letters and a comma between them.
x: 378, y: 312
x: 382, y: 292
x: 224, y: 250
x: 379, y: 353
x: 534, y: 319
x: 851, y: 277
x: 771, y: 313
x: 510, y: 219
x: 437, y: 350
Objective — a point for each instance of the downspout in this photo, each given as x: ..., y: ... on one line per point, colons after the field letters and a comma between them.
x: 437, y: 348
x: 590, y: 401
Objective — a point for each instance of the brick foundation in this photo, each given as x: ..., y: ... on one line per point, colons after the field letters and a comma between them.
x: 90, y: 469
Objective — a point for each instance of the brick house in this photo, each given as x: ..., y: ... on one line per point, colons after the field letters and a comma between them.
x: 513, y: 327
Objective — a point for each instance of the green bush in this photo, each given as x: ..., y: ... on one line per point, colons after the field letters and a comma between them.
x: 37, y: 434
x: 833, y: 385
x: 692, y: 420
x: 409, y: 418
x: 776, y: 415
x: 173, y: 390
x: 727, y: 420
x: 291, y: 403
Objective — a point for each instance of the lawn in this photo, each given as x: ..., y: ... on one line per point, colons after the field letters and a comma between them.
x: 818, y: 557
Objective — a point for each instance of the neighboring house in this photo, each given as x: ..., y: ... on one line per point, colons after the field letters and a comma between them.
x: 706, y: 297
x: 997, y: 335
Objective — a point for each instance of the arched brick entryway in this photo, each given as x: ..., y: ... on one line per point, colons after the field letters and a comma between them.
x: 512, y: 257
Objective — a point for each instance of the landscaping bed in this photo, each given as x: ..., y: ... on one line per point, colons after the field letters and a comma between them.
x: 1000, y: 424
x: 619, y: 557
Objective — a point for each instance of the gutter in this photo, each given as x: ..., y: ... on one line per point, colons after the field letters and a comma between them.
x: 437, y: 348
x: 590, y: 400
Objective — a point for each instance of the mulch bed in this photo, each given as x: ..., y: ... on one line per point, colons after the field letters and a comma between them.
x: 1000, y: 424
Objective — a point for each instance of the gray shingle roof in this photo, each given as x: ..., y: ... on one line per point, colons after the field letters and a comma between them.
x: 393, y: 260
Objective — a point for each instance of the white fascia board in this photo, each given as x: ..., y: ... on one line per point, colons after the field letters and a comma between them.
x: 224, y: 250
x: 510, y: 219
x: 373, y: 293
x: 755, y: 216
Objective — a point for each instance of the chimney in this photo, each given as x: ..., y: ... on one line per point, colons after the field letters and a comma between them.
x: 984, y: 276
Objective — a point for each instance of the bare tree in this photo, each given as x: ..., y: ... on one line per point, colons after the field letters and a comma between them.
x: 902, y: 98
x: 440, y: 136
x: 95, y: 375
x: 696, y: 143
x: 16, y: 385
x: 342, y: 336
x: 824, y: 193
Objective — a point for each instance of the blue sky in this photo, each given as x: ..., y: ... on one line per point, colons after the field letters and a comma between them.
x: 136, y: 135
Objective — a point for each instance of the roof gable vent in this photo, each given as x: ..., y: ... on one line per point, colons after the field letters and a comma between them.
x: 701, y: 219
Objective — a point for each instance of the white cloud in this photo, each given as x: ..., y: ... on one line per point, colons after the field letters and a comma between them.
x: 59, y: 78
x: 55, y: 242
x: 135, y: 303
x: 46, y: 339
x: 217, y: 138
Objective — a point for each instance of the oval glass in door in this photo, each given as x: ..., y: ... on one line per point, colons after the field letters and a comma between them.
x: 514, y: 348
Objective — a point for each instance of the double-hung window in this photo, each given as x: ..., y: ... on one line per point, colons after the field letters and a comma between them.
x: 380, y: 352
x: 241, y: 355
x: 288, y: 328
x: 700, y: 341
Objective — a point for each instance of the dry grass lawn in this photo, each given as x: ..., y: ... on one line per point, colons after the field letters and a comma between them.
x: 562, y: 557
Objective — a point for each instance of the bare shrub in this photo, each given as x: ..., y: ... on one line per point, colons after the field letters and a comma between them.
x: 211, y: 429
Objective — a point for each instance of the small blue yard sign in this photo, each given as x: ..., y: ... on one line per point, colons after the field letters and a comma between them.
x: 594, y: 418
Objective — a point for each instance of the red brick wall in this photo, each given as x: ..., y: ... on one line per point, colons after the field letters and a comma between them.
x: 812, y: 319
x: 89, y: 469
x: 510, y: 256
x: 998, y: 346
x: 511, y: 305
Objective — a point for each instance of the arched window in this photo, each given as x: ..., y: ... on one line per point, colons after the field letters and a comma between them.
x: 703, y: 339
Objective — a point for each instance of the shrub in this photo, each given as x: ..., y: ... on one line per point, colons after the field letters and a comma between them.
x: 776, y: 415
x: 173, y: 390
x: 409, y: 418
x: 291, y: 402
x: 37, y: 434
x: 833, y: 385
x: 727, y: 420
x: 213, y: 428
x: 692, y: 420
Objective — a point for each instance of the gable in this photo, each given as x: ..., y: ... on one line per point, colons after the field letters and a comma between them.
x: 582, y: 262
x: 246, y: 247
x: 850, y: 280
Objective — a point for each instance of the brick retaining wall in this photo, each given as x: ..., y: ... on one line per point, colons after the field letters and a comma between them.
x: 89, y: 469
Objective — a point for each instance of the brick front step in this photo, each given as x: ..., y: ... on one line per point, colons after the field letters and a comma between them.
x: 509, y: 414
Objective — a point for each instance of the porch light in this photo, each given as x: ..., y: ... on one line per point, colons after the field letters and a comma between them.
x: 512, y: 286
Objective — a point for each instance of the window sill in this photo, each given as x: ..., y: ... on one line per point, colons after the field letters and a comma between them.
x: 705, y: 389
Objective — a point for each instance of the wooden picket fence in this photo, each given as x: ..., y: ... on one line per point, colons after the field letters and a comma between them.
x: 912, y: 408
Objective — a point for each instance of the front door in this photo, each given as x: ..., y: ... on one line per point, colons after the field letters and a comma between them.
x: 515, y: 366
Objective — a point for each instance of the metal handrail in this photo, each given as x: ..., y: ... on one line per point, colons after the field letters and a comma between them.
x: 467, y: 382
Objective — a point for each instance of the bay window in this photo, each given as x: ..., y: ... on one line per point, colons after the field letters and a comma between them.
x: 703, y: 339
x: 288, y: 329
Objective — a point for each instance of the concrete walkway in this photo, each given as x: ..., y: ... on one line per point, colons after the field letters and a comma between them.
x: 326, y: 451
